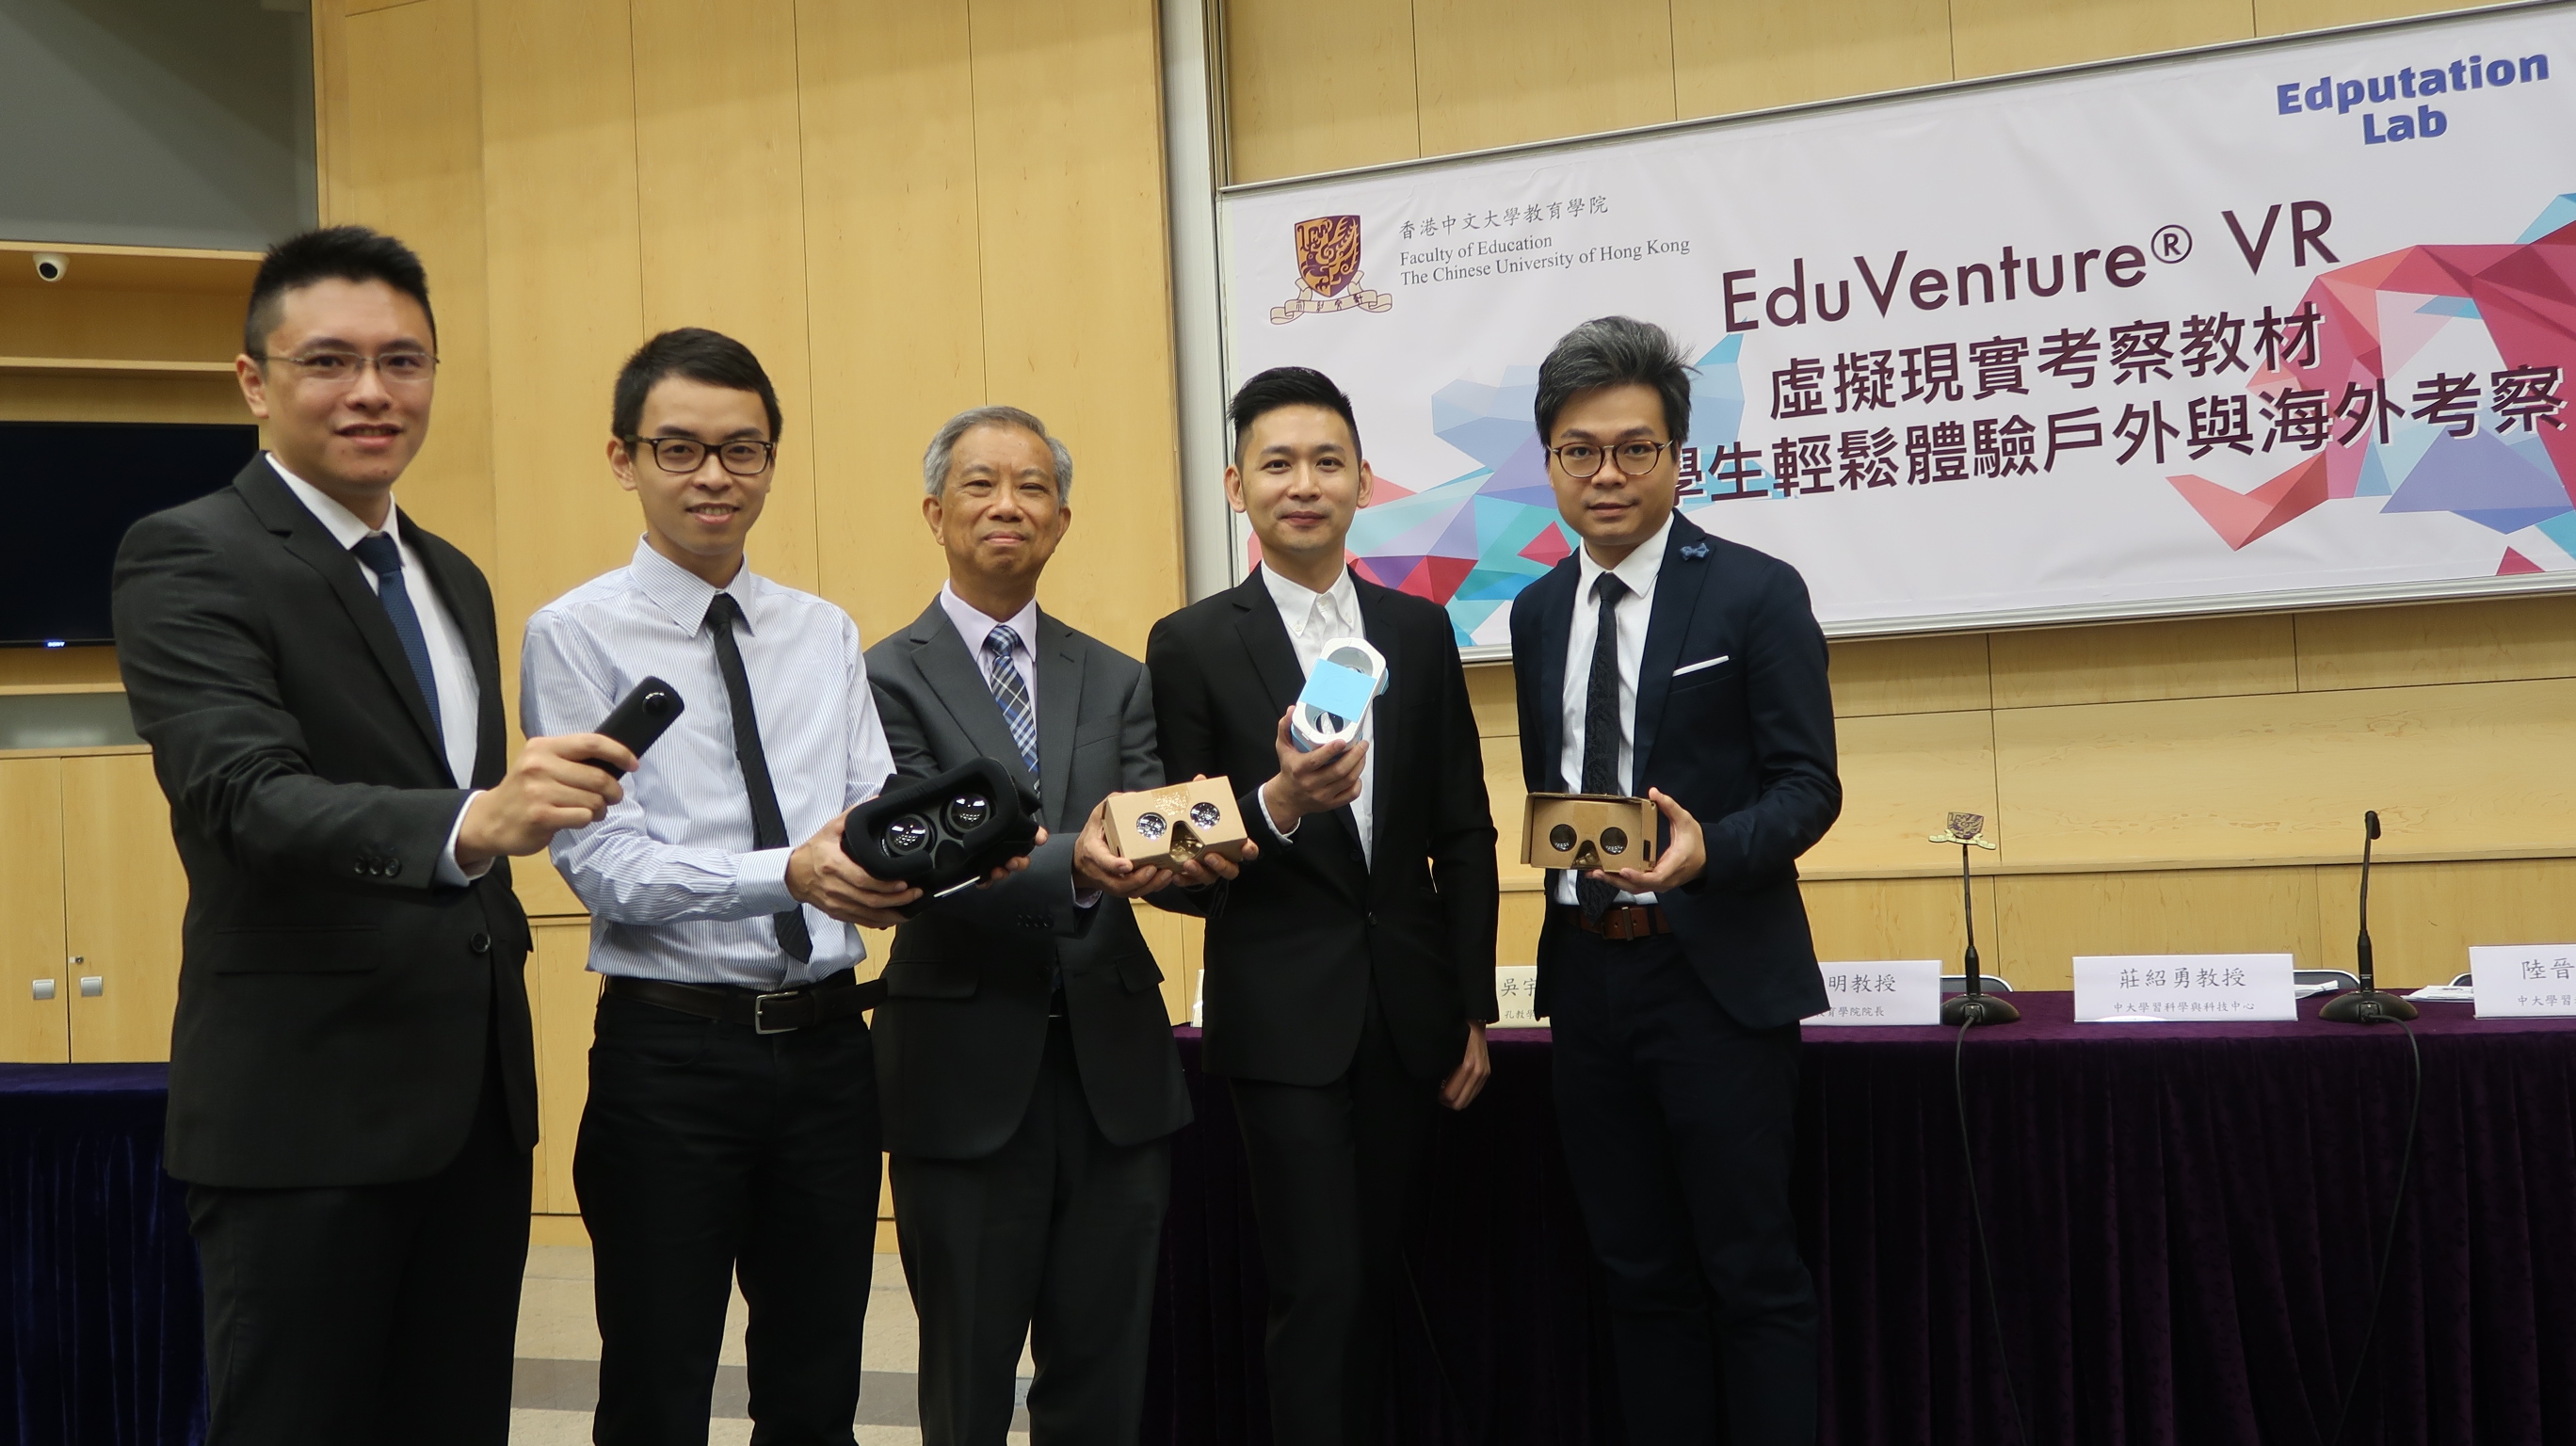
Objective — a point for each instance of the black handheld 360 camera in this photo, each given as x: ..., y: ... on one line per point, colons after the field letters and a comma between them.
x: 943, y: 834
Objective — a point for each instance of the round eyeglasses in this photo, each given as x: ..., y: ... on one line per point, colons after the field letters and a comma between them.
x: 1634, y: 459
x: 743, y: 456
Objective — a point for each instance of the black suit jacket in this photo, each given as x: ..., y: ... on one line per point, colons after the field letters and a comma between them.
x: 1746, y: 745
x: 963, y: 1028
x: 335, y: 1004
x: 1296, y: 944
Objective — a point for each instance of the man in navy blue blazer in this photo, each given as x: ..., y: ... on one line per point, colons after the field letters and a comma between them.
x: 1662, y: 662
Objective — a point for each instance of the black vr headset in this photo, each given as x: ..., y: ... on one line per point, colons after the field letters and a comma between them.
x: 946, y: 833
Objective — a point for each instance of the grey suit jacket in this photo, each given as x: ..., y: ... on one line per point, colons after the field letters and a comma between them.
x: 963, y: 1028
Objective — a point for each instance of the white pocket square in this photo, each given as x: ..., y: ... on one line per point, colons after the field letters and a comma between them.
x: 1702, y: 663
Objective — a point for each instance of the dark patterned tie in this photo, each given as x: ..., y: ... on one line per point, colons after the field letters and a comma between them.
x: 768, y: 826
x: 384, y: 559
x: 1009, y: 690
x: 1601, y: 728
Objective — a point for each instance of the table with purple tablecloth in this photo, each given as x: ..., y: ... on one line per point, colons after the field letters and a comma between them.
x: 2185, y: 1221
x: 101, y: 1341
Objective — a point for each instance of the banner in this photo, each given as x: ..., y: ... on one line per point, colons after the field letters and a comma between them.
x: 2270, y: 325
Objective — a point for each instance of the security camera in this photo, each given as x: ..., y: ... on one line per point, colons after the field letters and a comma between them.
x: 51, y: 266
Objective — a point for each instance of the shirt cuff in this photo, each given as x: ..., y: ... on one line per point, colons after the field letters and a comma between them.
x: 760, y: 881
x: 1086, y: 898
x: 1286, y: 835
x: 449, y: 872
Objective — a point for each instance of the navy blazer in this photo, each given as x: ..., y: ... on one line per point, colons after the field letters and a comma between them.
x: 1747, y: 745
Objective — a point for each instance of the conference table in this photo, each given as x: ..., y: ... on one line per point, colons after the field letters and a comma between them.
x: 2185, y: 1222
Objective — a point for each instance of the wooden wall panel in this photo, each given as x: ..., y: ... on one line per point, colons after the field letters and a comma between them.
x: 1902, y: 773
x: 32, y: 1030
x: 2045, y: 920
x: 1498, y: 72
x: 720, y: 201
x: 407, y: 148
x: 1997, y: 37
x: 1490, y: 691
x: 213, y: 398
x: 1516, y: 929
x: 1740, y: 55
x: 2192, y: 658
x: 1282, y: 122
x: 2482, y: 641
x: 1937, y: 673
x: 62, y: 321
x: 1077, y: 288
x: 2424, y: 917
x: 1858, y: 920
x: 1509, y: 799
x: 123, y: 896
x: 563, y: 995
x: 2284, y: 17
x: 893, y: 286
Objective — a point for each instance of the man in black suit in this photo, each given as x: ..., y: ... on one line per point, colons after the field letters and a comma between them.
x: 1664, y: 661
x: 1350, y: 971
x: 1024, y: 1055
x: 352, y: 1085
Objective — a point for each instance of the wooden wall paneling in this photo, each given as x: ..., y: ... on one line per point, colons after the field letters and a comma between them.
x: 563, y: 995
x: 60, y: 321
x: 1856, y: 921
x: 42, y: 668
x: 892, y: 287
x: 1077, y: 297
x: 2484, y: 640
x: 1903, y: 774
x: 1491, y: 692
x: 1319, y: 85
x: 2286, y: 17
x: 2425, y: 917
x: 32, y: 1030
x: 721, y: 204
x: 409, y: 157
x: 1516, y: 928
x: 2129, y: 662
x: 1498, y: 72
x: 1997, y: 37
x: 124, y: 893
x: 1179, y: 943
x: 1931, y: 673
x: 1508, y: 797
x: 1740, y: 55
x: 2454, y: 770
x: 25, y: 398
x: 2045, y: 920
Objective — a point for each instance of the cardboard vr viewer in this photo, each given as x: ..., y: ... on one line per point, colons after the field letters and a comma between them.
x: 1588, y: 831
x: 1168, y: 827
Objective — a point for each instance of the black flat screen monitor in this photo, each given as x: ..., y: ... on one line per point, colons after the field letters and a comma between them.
x: 93, y: 480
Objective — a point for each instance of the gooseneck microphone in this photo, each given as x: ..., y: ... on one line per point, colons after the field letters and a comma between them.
x: 2367, y: 1004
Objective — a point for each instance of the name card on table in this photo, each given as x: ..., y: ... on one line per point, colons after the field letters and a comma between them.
x: 1516, y: 992
x: 1885, y: 991
x: 2207, y: 988
x: 2523, y: 981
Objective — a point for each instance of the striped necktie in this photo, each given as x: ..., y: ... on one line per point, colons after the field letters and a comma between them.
x: 1003, y: 676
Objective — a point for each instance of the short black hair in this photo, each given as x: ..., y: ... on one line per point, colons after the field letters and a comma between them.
x: 1615, y: 351
x: 334, y: 253
x: 1287, y: 387
x: 698, y: 354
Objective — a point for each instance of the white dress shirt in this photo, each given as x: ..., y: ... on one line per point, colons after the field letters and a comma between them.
x: 1314, y: 619
x: 459, y: 703
x: 1638, y: 570
x: 675, y: 888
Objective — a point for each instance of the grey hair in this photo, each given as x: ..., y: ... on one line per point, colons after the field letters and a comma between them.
x: 1612, y: 351
x: 943, y: 446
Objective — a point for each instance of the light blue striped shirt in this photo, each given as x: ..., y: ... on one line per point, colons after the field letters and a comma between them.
x: 674, y: 887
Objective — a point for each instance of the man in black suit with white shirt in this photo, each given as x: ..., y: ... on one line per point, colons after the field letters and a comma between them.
x: 1661, y: 661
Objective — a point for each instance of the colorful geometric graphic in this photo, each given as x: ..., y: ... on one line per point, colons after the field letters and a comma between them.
x: 2505, y: 317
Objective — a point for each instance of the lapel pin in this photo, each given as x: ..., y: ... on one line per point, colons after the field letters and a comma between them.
x: 1695, y: 550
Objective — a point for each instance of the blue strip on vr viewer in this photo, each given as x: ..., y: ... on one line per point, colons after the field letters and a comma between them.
x: 1342, y: 692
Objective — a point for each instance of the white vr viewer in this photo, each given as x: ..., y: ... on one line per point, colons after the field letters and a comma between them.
x: 1336, y: 697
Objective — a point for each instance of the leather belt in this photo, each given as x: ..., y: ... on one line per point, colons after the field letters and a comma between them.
x: 836, y: 996
x: 1623, y: 921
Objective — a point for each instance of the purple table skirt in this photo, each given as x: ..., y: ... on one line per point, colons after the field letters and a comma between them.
x: 2185, y: 1219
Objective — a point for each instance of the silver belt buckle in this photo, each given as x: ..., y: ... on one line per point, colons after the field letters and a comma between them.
x: 760, y: 1010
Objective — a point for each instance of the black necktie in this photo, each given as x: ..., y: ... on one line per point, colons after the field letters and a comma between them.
x: 768, y: 828
x: 383, y: 557
x: 1601, y: 727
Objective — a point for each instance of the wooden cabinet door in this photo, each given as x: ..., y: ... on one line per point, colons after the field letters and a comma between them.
x: 123, y: 897
x: 32, y: 1030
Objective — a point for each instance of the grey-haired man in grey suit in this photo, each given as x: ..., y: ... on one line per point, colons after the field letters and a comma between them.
x: 1024, y: 1058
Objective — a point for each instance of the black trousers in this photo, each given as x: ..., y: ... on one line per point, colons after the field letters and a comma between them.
x: 1054, y: 1237
x: 1332, y: 1169
x: 377, y: 1313
x: 1678, y: 1126
x: 710, y: 1153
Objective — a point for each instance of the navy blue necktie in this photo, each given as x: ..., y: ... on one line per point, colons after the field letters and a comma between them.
x: 384, y: 559
x: 1601, y: 728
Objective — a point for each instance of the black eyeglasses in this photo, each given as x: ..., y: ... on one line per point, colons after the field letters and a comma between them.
x: 742, y: 456
x: 1582, y: 459
x: 343, y: 368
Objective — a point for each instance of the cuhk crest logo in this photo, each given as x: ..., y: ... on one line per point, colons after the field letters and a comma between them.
x: 1328, y: 271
